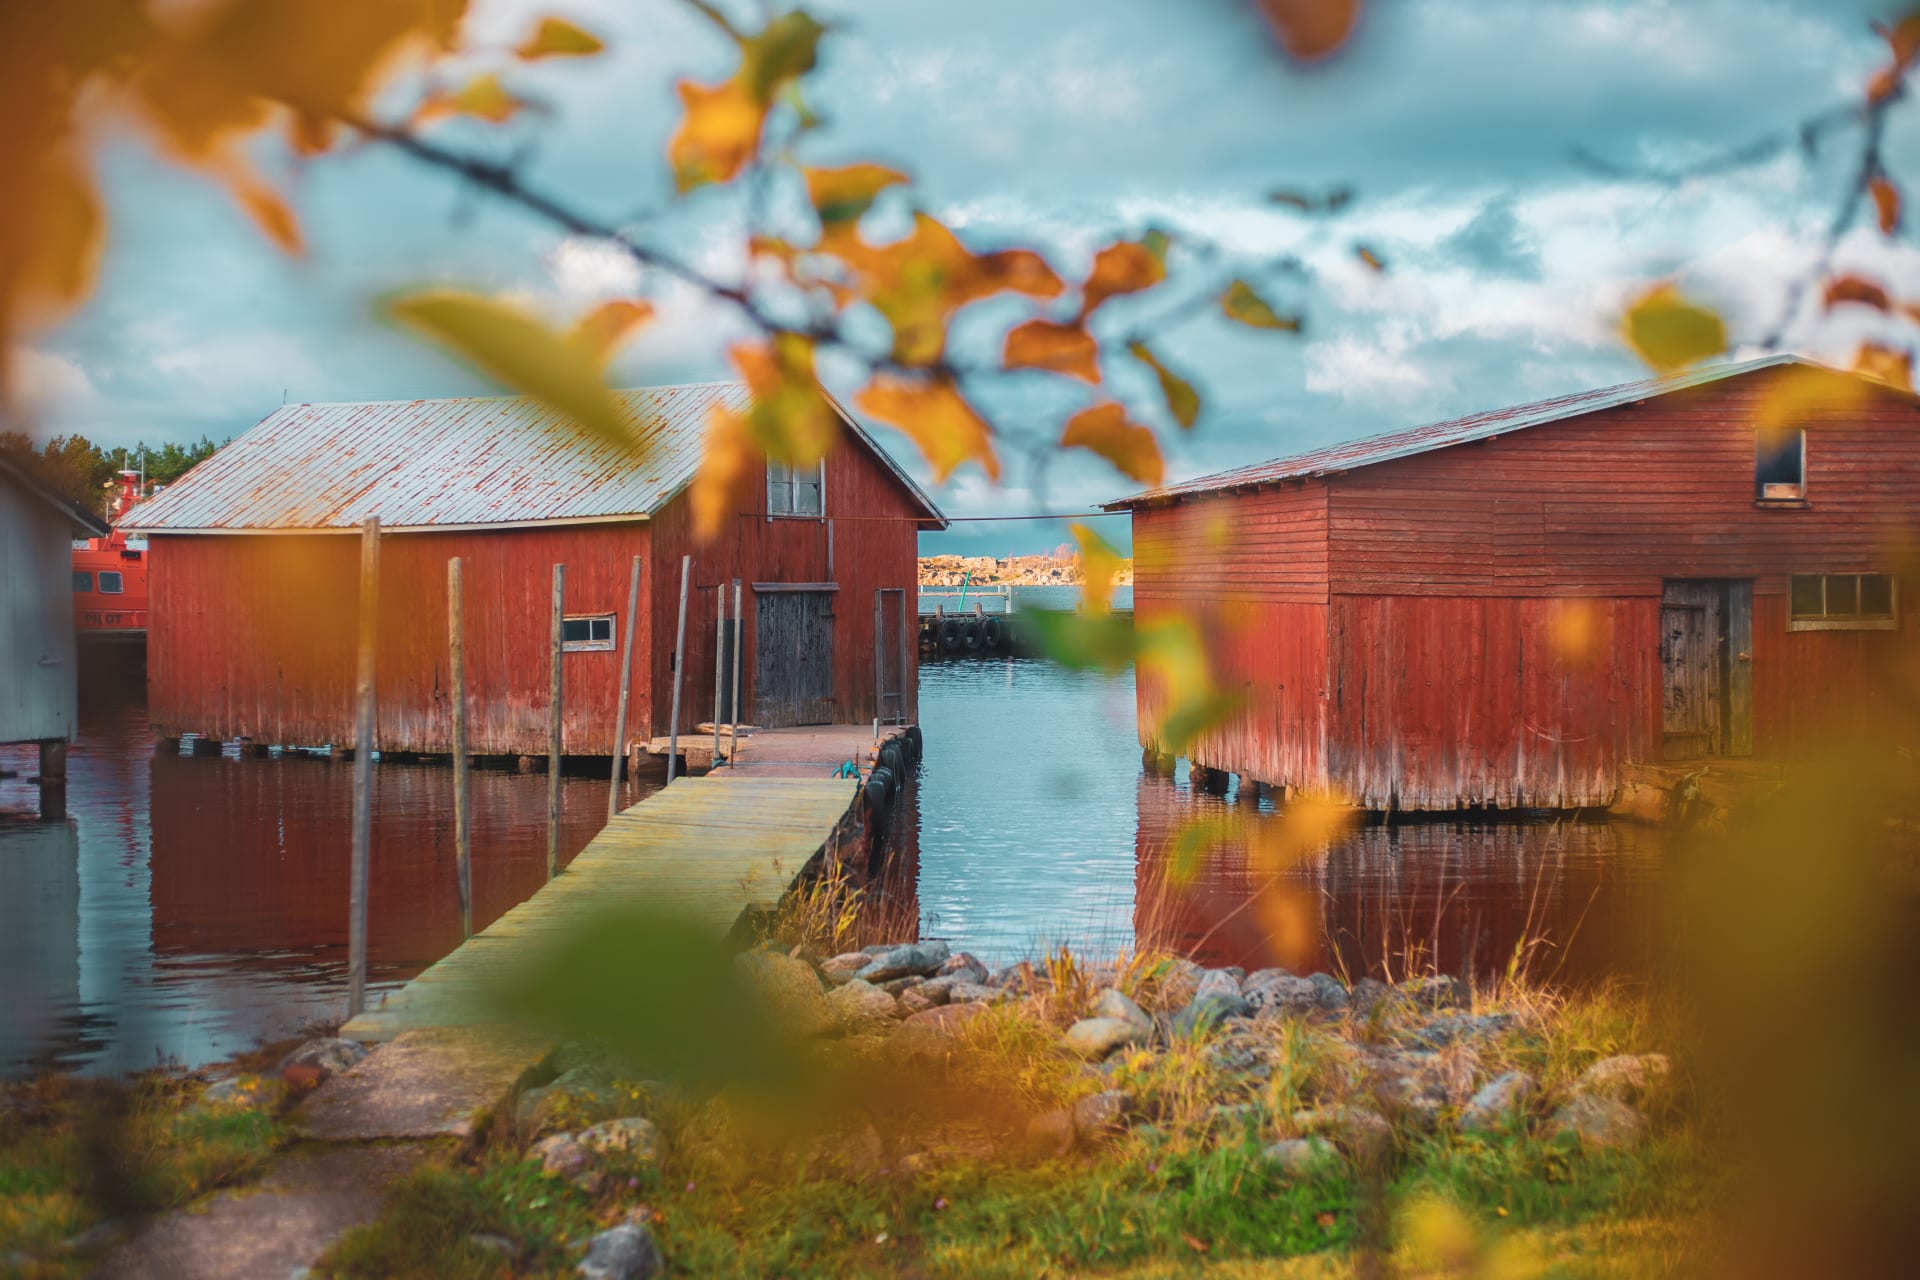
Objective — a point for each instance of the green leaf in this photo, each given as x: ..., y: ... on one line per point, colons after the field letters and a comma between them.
x: 1241, y: 303
x: 783, y: 52
x: 1182, y: 400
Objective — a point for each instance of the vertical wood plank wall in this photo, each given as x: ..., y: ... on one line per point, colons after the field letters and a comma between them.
x: 38, y: 697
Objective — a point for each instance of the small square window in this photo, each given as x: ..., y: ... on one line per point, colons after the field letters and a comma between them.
x: 1780, y: 465
x: 796, y: 491
x: 110, y: 583
x: 1843, y: 602
x: 82, y: 582
x: 589, y: 633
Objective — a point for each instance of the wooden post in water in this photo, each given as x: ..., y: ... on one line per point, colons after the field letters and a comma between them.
x: 679, y: 656
x: 626, y: 686
x: 553, y: 721
x: 719, y: 662
x: 457, y: 678
x: 739, y: 636
x: 363, y: 766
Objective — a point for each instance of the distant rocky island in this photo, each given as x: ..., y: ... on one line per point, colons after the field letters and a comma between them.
x: 1059, y: 568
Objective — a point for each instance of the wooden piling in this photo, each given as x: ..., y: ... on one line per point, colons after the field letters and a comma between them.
x: 626, y: 687
x: 554, y: 692
x: 53, y: 780
x: 363, y: 765
x: 679, y: 655
x: 719, y: 662
x: 457, y: 679
x: 739, y: 639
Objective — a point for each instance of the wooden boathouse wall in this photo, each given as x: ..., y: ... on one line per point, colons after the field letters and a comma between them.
x: 1480, y: 624
x: 38, y: 657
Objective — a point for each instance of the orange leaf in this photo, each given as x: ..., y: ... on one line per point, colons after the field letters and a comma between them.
x: 269, y: 211
x: 1058, y: 348
x: 1310, y: 30
x: 1369, y: 257
x: 602, y: 330
x: 1884, y: 364
x: 1020, y: 271
x: 1670, y: 332
x: 718, y: 136
x: 1857, y: 289
x: 1903, y: 38
x: 1886, y: 202
x: 937, y: 418
x: 1195, y: 1243
x: 791, y: 420
x: 60, y: 228
x: 1884, y: 84
x: 1126, y: 267
x: 1104, y: 430
x: 482, y: 97
x: 722, y: 486
x: 843, y: 194
x: 558, y: 38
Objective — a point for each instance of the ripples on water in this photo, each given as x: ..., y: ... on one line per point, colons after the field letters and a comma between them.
x: 193, y: 907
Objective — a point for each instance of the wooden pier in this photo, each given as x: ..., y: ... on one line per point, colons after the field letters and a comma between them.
x: 715, y: 847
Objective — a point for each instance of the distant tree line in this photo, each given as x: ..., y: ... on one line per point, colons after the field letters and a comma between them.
x: 81, y: 470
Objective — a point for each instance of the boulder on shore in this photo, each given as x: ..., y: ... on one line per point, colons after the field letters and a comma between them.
x: 1500, y: 1101
x: 787, y: 992
x: 860, y: 1008
x: 1599, y: 1122
x: 625, y: 1252
x: 1095, y: 1038
x: 1208, y: 1011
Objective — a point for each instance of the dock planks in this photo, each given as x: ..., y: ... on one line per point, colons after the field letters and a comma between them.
x: 714, y: 847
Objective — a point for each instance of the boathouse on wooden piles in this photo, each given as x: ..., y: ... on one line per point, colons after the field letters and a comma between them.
x: 255, y: 561
x: 1507, y: 609
x: 39, y: 691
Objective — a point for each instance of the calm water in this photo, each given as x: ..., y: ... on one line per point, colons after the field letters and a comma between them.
x: 192, y: 907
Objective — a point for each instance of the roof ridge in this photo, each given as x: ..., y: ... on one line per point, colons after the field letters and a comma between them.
x: 619, y: 391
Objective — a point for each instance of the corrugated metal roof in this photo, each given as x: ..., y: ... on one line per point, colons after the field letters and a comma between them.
x: 475, y: 462
x: 1369, y: 450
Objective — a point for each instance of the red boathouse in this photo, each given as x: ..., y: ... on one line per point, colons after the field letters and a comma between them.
x: 1506, y: 609
x: 254, y: 567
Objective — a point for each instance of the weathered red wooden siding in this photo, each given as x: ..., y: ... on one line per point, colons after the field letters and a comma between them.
x: 875, y: 541
x: 1814, y: 690
x: 1250, y: 573
x: 253, y: 636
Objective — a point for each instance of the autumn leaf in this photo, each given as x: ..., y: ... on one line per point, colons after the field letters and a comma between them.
x: 1903, y: 38
x: 1058, y: 348
x: 1126, y: 267
x: 1369, y: 257
x: 790, y: 420
x: 483, y: 97
x: 1886, y: 203
x: 844, y: 194
x: 1099, y: 565
x: 1333, y: 201
x: 937, y: 418
x: 1669, y: 332
x: 269, y: 211
x: 1183, y: 402
x: 1310, y: 30
x: 517, y: 349
x: 783, y: 52
x: 722, y: 485
x: 602, y: 330
x: 718, y: 134
x: 50, y: 252
x: 1242, y: 304
x: 1884, y: 364
x: 1857, y: 289
x: 1105, y: 430
x: 558, y: 38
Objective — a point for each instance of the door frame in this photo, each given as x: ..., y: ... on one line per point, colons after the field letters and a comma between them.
x: 1729, y: 608
x: 830, y: 701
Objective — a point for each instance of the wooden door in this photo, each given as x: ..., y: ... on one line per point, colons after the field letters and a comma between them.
x: 792, y: 657
x: 1706, y: 637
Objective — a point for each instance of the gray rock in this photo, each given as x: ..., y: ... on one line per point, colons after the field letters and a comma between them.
x: 923, y: 958
x: 630, y: 1139
x: 916, y: 1000
x: 940, y: 989
x: 1296, y: 1157
x: 861, y: 1008
x: 1454, y: 1028
x: 243, y: 1093
x: 1363, y: 1134
x: 562, y: 1156
x: 1101, y: 1115
x: 1277, y: 992
x: 932, y: 1028
x: 329, y: 1053
x: 1113, y: 1003
x: 787, y: 992
x: 1367, y: 995
x: 1217, y: 982
x: 1097, y: 1037
x: 1207, y: 1012
x: 625, y: 1252
x: 894, y: 986
x: 843, y: 967
x: 575, y: 1099
x: 1051, y: 1132
x: 1440, y: 991
x: 1498, y: 1102
x: 1625, y: 1076
x: 963, y: 964
x: 1599, y: 1122
x: 974, y: 993
x: 1177, y: 986
x: 1330, y: 992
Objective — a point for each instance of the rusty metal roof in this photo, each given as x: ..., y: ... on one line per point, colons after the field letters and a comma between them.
x: 1353, y: 454
x: 436, y: 464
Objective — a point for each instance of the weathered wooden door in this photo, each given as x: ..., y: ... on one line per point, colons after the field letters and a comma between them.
x: 1706, y: 636
x: 792, y: 657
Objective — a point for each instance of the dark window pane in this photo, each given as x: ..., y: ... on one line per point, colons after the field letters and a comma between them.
x: 110, y: 583
x: 1876, y: 595
x: 83, y: 582
x: 806, y: 494
x: 1843, y: 595
x: 779, y: 489
x: 602, y: 629
x: 1777, y: 461
x: 1806, y: 596
x: 575, y: 630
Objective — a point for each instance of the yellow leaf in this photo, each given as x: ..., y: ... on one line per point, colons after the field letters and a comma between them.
x: 269, y: 210
x: 1241, y: 303
x: 1372, y: 260
x: 1126, y: 267
x: 60, y: 228
x: 843, y: 194
x: 719, y: 134
x: 1310, y: 30
x: 558, y: 38
x: 1669, y: 332
x: 517, y: 349
x: 937, y: 418
x: 790, y: 420
x: 602, y: 330
x: 1058, y: 348
x: 1885, y: 364
x: 1104, y: 430
x: 482, y: 97
x: 1795, y: 396
x: 780, y: 54
x: 1099, y: 564
x: 720, y: 487
x: 1182, y: 400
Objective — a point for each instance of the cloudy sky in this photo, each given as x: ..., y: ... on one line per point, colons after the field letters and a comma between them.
x: 1060, y: 124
